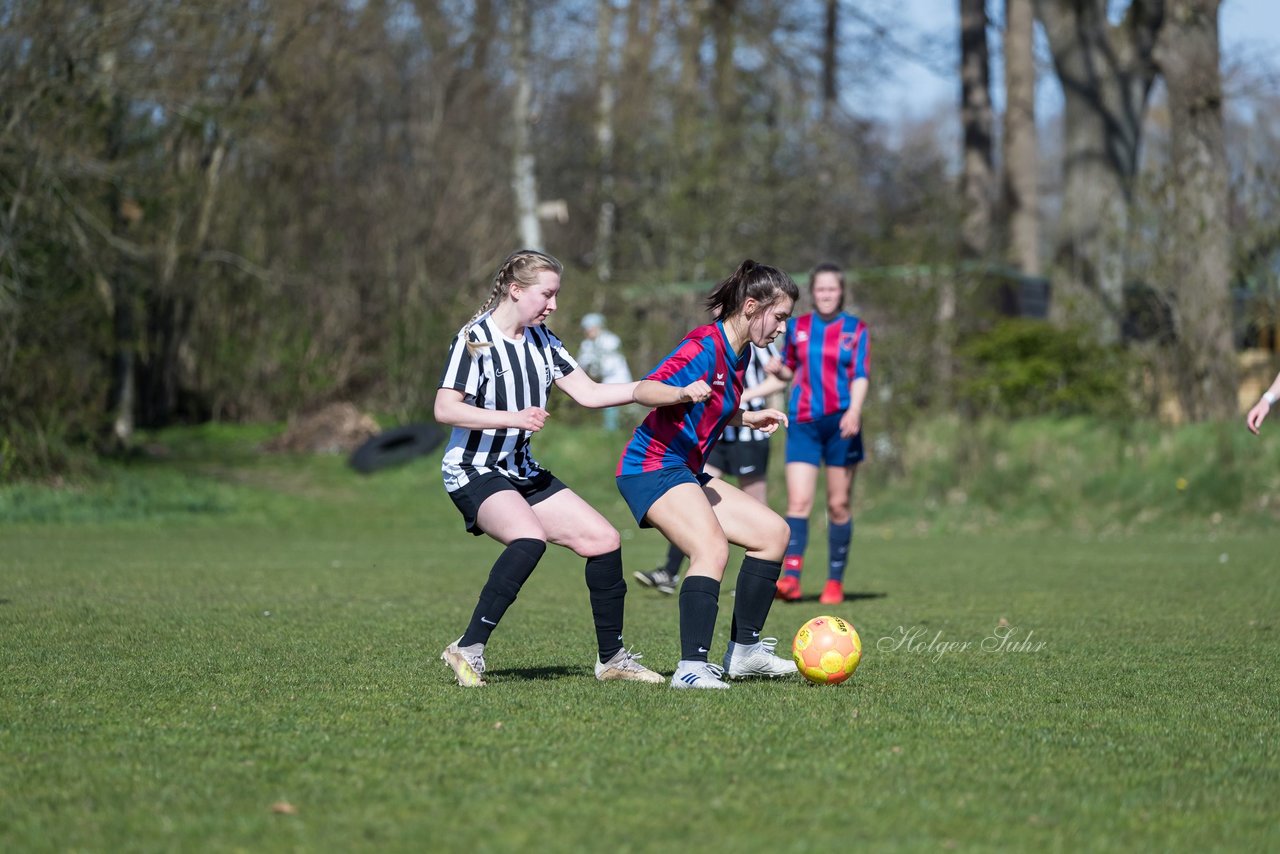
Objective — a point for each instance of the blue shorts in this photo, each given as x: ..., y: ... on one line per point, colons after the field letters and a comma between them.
x: 818, y: 442
x: 641, y: 490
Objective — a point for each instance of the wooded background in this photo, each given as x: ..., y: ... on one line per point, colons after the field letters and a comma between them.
x: 242, y: 211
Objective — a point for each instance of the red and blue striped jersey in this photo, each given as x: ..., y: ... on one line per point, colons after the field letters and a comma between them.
x: 684, y: 434
x: 827, y: 356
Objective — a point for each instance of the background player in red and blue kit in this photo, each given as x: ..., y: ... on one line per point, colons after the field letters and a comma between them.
x: 826, y: 354
x: 661, y: 478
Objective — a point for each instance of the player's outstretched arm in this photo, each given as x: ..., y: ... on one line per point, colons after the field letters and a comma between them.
x: 452, y: 408
x: 593, y: 395
x: 651, y: 393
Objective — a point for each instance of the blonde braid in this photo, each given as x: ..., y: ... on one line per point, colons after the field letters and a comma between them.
x: 507, y: 275
x: 474, y: 347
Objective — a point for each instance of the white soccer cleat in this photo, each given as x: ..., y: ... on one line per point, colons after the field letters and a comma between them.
x: 698, y: 674
x: 467, y: 663
x: 625, y: 665
x: 659, y: 579
x: 757, y: 659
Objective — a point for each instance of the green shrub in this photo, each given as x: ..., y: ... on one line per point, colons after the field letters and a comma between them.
x: 1027, y: 368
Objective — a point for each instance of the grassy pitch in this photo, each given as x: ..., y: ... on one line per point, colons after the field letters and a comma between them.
x: 226, y: 652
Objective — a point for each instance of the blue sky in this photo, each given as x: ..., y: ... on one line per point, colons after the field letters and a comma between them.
x: 1249, y: 28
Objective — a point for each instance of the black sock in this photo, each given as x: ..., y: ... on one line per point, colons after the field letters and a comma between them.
x: 757, y: 581
x: 699, y: 604
x: 675, y: 557
x: 510, y: 571
x: 608, y: 590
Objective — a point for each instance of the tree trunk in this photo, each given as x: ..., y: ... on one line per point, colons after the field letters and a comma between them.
x: 171, y: 305
x: 1021, y: 193
x: 1188, y: 53
x: 977, y: 119
x: 726, y: 134
x: 977, y: 182
x: 830, y: 67
x: 1106, y: 73
x: 524, y: 169
x: 604, y: 141
x: 685, y: 222
x: 124, y: 327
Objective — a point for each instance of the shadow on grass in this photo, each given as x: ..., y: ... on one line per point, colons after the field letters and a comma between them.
x: 531, y: 673
x: 848, y: 597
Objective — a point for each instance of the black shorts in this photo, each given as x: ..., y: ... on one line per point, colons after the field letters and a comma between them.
x: 741, y: 459
x: 469, y: 497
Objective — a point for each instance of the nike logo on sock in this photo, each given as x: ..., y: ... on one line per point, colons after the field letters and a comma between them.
x: 702, y: 649
x: 487, y: 621
x: 755, y: 634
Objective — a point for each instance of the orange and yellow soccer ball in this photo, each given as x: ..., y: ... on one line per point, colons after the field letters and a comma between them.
x: 827, y: 650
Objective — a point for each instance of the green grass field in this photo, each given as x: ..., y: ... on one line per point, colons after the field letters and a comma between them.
x: 190, y: 642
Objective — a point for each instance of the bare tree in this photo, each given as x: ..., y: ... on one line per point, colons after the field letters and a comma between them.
x: 604, y: 140
x: 1106, y: 72
x: 977, y: 180
x: 524, y: 169
x: 977, y: 119
x: 1199, y: 245
x: 1021, y: 194
x: 830, y: 61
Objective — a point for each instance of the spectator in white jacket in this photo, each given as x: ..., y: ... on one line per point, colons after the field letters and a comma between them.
x: 601, y: 357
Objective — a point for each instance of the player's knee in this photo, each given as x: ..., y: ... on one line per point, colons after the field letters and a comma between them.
x: 838, y: 512
x: 799, y: 510
x: 778, y: 534
x: 711, y: 555
x: 597, y: 541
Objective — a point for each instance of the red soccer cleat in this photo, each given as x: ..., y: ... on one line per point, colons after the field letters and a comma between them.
x: 833, y: 593
x: 788, y: 589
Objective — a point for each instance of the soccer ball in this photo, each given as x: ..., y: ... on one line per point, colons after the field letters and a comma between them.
x: 827, y: 650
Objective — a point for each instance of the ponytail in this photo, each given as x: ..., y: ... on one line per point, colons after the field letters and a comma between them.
x: 760, y: 282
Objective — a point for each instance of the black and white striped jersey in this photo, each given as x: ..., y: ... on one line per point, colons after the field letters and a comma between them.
x: 755, y: 375
x: 510, y: 375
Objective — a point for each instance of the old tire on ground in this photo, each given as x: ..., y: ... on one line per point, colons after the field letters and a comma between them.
x: 396, y: 446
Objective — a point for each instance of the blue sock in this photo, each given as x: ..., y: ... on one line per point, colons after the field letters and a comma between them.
x: 838, y: 538
x: 794, y: 560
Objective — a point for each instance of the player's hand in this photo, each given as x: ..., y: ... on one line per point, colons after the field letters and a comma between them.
x: 531, y: 419
x: 766, y: 421
x: 695, y: 392
x: 1256, y: 415
x: 850, y: 423
x: 774, y: 367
